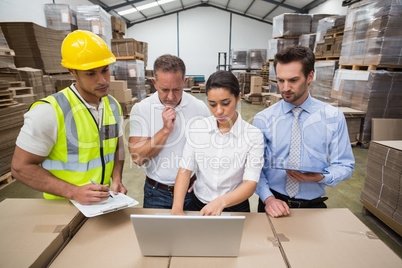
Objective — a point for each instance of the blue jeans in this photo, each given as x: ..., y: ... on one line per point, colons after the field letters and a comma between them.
x: 157, y: 198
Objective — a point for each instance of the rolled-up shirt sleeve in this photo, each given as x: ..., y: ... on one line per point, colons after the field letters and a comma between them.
x: 255, y: 156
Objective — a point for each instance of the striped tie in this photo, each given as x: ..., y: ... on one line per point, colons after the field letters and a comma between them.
x: 292, y: 186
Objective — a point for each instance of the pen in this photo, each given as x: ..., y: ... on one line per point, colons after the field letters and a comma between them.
x: 94, y: 182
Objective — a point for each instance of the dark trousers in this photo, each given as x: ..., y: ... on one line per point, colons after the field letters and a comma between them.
x: 295, y: 203
x: 244, y: 206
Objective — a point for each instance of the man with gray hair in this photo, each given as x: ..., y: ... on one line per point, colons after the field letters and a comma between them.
x: 157, y: 131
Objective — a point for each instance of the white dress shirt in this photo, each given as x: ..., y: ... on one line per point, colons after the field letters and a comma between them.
x: 146, y: 120
x: 223, y: 160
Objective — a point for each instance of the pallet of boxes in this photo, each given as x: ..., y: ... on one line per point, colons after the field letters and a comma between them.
x: 129, y: 67
x: 370, y: 66
x: 286, y: 30
x: 255, y: 96
x: 369, y: 79
x: 11, y: 112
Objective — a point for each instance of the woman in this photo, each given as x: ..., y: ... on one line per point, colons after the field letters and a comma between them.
x: 226, y: 151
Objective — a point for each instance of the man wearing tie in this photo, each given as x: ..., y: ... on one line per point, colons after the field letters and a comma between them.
x: 307, y: 145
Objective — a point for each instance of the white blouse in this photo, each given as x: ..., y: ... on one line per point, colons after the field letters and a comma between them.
x: 222, y: 161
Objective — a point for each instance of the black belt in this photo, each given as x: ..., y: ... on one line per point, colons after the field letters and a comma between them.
x: 166, y: 187
x: 298, y: 203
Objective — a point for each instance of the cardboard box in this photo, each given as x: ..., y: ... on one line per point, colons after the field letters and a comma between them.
x: 257, y: 248
x: 382, y: 187
x: 311, y: 237
x: 33, y: 231
x: 113, y: 231
x: 354, y: 121
x: 118, y: 85
x: 121, y: 95
x: 255, y: 85
x: 386, y: 129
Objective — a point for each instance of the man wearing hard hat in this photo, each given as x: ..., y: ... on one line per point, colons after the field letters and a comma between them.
x: 75, y: 136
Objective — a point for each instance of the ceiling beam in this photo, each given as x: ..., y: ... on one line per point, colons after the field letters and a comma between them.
x: 245, y: 12
x: 227, y: 4
x: 203, y: 4
x: 313, y: 4
x: 272, y: 10
x: 299, y: 10
x: 99, y: 3
x: 119, y: 5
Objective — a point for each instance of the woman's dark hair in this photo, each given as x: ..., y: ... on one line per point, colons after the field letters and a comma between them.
x: 223, y: 79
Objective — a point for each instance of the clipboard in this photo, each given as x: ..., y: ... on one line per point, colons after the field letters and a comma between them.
x: 118, y: 202
x: 303, y: 169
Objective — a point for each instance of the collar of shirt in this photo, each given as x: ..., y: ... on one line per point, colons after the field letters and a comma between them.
x: 306, y: 105
x: 235, y: 130
x: 91, y: 107
x: 184, y: 101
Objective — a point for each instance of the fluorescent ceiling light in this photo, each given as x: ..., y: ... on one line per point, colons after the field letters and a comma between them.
x: 139, y: 8
x: 153, y: 4
x: 161, y: 2
x: 127, y: 11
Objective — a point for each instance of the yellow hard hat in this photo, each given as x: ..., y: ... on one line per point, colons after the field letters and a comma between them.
x: 83, y: 50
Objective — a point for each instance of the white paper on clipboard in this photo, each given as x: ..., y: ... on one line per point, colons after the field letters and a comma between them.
x: 118, y: 202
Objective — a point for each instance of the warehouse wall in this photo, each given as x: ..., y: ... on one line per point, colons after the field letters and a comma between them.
x: 203, y: 32
x: 31, y: 10
x: 331, y: 7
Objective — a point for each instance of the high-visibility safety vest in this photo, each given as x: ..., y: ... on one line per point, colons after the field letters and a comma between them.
x: 82, y: 151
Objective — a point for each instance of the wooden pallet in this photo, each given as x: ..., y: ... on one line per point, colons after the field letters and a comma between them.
x: 21, y: 90
x: 6, y: 98
x: 333, y: 35
x: 6, y: 52
x: 371, y: 67
x: 327, y: 58
x: 130, y: 58
x: 6, y: 180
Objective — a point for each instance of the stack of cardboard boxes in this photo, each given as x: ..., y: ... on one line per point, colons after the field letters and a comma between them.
x: 377, y: 93
x: 95, y: 19
x: 332, y: 43
x: 35, y: 46
x: 239, y: 59
x: 118, y: 28
x: 321, y: 87
x: 255, y: 95
x: 11, y: 121
x: 329, y: 32
x: 118, y: 89
x: 6, y: 54
x: 382, y: 188
x: 133, y: 72
x: 244, y: 82
x: 33, y: 78
x: 61, y: 17
x: 372, y: 33
x: 256, y: 57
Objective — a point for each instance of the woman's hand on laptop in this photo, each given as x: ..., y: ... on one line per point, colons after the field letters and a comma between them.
x: 213, y: 208
x: 178, y: 211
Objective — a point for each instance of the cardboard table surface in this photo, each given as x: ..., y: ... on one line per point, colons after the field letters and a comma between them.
x: 33, y: 230
x: 110, y: 241
x: 257, y: 248
x: 330, y: 238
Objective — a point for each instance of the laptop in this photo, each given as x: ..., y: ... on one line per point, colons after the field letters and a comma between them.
x: 207, y: 236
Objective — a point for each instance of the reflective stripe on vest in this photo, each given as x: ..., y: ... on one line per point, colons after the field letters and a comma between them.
x: 84, y: 150
x: 72, y: 135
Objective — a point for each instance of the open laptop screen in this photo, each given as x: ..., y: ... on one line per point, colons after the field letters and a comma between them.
x: 163, y: 235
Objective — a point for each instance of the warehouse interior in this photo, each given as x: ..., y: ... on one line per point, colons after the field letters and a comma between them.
x: 357, y: 45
